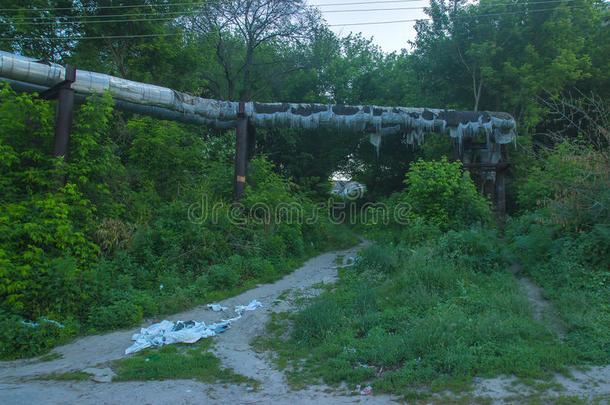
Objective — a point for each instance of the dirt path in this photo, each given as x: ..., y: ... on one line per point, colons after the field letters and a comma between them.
x: 19, y: 383
x: 542, y: 310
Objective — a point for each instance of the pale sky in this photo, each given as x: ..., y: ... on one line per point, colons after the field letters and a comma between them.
x: 389, y: 36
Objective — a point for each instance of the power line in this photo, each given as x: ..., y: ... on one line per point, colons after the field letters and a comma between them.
x: 455, y: 18
x: 105, y: 15
x: 191, y: 4
x: 98, y: 37
x: 332, y: 25
x: 101, y: 7
x: 93, y: 22
x: 158, y: 17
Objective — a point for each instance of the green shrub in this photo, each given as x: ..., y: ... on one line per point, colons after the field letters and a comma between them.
x: 144, y: 300
x: 121, y: 314
x: 475, y: 248
x: 569, y: 186
x: 382, y: 258
x: 262, y: 269
x: 222, y: 276
x: 440, y: 193
x: 418, y: 232
x: 293, y: 240
x: 18, y: 340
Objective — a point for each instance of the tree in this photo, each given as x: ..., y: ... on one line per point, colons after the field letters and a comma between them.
x: 243, y: 32
x: 38, y: 28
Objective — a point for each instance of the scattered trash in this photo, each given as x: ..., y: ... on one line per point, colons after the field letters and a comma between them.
x: 181, y: 325
x: 167, y: 332
x: 351, y: 350
x: 249, y: 388
x: 363, y: 365
x: 160, y: 287
x: 250, y: 307
x: 366, y: 391
x: 217, y: 307
x: 37, y: 324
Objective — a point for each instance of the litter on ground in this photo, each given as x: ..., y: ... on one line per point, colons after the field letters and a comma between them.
x: 37, y: 324
x: 168, y: 332
x: 216, y: 307
x: 366, y: 391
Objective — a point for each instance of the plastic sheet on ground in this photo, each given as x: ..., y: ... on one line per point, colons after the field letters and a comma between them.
x: 216, y: 307
x: 168, y: 332
x: 37, y: 324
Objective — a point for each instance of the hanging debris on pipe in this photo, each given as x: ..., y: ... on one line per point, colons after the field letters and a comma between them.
x: 410, y: 123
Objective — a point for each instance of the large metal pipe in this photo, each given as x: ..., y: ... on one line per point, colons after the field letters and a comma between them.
x: 165, y: 103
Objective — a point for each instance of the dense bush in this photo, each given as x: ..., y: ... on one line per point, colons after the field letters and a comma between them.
x: 143, y: 226
x: 442, y: 194
x: 568, y: 186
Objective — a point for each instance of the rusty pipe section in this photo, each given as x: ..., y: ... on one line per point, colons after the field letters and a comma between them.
x: 410, y: 123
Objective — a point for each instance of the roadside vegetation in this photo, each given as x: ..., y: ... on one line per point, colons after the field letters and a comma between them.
x: 143, y: 226
x: 432, y: 304
x: 178, y: 362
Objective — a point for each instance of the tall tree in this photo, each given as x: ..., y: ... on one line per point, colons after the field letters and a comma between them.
x: 242, y: 32
x: 38, y: 28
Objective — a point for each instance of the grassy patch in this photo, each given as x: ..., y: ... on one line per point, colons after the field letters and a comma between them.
x: 573, y: 272
x: 73, y: 375
x: 177, y: 362
x: 410, y: 320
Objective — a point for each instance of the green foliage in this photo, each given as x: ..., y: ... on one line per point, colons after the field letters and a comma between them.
x: 443, y: 195
x: 573, y: 270
x: 444, y: 313
x: 317, y: 322
x: 475, y: 248
x: 143, y: 226
x: 570, y: 186
x: 121, y: 314
x: 18, y: 340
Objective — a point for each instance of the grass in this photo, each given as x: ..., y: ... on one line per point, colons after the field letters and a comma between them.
x: 177, y: 362
x: 411, y: 320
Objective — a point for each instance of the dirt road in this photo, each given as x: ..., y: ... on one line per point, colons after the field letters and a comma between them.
x: 19, y: 383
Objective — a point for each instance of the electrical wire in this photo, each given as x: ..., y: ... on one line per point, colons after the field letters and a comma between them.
x: 97, y: 37
x: 158, y: 17
x: 193, y: 4
x: 73, y: 38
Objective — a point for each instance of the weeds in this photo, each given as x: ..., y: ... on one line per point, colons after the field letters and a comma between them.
x: 177, y: 362
x: 433, y: 316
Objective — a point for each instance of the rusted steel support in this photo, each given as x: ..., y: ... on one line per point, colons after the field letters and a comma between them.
x: 64, y: 93
x: 63, y: 123
x: 251, y: 140
x: 241, y: 151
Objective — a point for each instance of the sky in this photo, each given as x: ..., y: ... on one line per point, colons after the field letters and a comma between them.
x: 389, y: 36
